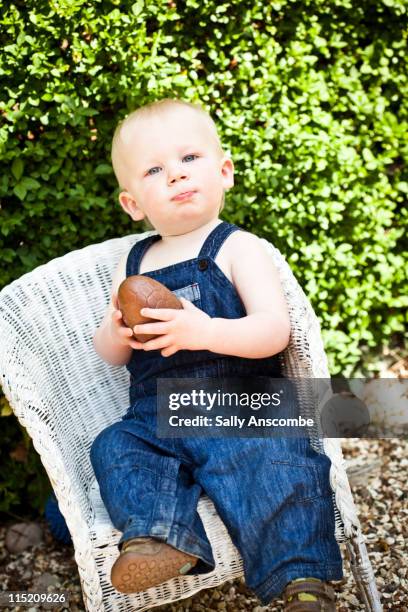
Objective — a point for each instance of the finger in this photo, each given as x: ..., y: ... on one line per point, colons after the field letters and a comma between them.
x: 151, y: 328
x: 117, y: 315
x: 118, y: 320
x: 156, y: 343
x: 168, y: 352
x: 136, y: 345
x: 115, y: 303
x: 126, y: 332
x: 164, y: 314
x: 187, y: 305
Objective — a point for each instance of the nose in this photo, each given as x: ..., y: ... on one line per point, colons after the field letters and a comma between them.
x: 176, y: 173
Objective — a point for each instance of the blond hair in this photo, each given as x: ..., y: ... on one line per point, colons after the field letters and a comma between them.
x: 154, y: 109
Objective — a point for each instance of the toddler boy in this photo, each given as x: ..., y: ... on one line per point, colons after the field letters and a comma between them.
x: 272, y: 494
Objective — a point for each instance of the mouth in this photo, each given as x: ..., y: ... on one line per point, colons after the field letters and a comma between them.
x: 186, y: 195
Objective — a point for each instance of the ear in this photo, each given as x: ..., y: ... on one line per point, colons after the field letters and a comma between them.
x: 227, y: 171
x: 129, y: 205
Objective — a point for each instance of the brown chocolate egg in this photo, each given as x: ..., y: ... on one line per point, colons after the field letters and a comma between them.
x: 139, y: 291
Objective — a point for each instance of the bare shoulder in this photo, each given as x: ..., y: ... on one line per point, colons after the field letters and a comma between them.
x: 244, y: 237
x: 242, y: 244
x: 241, y: 252
x: 254, y: 273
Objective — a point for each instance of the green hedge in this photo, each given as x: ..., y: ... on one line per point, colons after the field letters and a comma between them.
x: 308, y: 97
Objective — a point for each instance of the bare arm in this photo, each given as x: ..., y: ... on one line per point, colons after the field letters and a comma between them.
x: 265, y: 330
x: 113, y: 340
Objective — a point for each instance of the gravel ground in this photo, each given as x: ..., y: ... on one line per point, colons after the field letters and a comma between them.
x: 380, y: 493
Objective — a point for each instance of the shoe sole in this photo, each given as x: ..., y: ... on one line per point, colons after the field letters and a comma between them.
x: 133, y: 572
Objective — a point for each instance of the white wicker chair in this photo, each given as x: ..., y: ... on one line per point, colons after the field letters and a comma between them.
x: 64, y: 394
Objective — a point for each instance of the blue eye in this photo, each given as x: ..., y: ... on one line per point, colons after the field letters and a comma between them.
x: 186, y: 157
x: 150, y: 171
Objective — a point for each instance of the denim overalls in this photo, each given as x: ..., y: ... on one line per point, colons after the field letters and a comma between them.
x: 272, y: 494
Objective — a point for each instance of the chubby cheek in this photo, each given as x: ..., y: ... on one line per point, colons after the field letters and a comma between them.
x: 153, y: 192
x: 213, y: 175
x: 213, y: 187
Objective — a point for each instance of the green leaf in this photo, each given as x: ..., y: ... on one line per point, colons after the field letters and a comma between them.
x: 17, y: 168
x: 29, y: 183
x: 103, y: 169
x: 20, y: 191
x: 137, y: 7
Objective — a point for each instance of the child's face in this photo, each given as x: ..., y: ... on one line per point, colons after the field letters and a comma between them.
x: 168, y: 155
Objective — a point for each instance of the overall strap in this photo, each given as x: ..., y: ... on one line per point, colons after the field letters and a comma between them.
x: 136, y: 253
x: 216, y: 238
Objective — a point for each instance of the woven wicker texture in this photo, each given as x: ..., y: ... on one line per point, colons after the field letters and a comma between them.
x: 64, y: 395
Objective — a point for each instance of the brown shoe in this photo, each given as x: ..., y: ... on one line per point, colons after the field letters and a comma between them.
x: 309, y: 595
x: 146, y: 562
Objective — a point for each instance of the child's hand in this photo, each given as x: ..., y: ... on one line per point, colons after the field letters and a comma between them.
x: 186, y: 329
x: 119, y: 331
